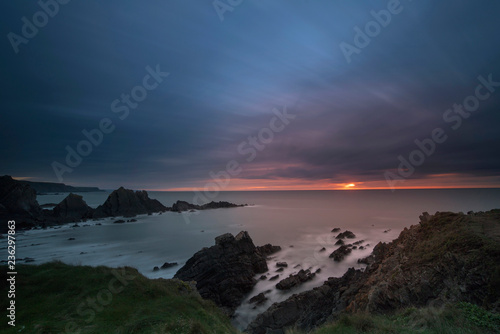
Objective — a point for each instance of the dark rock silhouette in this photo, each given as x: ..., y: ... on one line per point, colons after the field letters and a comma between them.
x: 127, y: 203
x: 224, y: 273
x: 181, y: 206
x: 346, y: 234
x: 73, y: 206
x: 340, y: 253
x: 295, y: 280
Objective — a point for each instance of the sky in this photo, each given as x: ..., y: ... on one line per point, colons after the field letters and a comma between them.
x: 251, y: 95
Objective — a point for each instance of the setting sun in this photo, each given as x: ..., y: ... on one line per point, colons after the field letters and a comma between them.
x: 350, y: 185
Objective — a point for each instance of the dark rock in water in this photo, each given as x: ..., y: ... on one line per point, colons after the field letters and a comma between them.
x: 346, y: 234
x: 263, y: 277
x: 181, y: 206
x: 296, y: 266
x: 317, y: 271
x: 71, y: 238
x: 339, y: 242
x: 119, y: 221
x: 73, y: 206
x: 156, y: 268
x: 358, y: 242
x: 336, y: 229
x: 322, y: 249
x: 404, y: 273
x: 268, y: 249
x: 279, y: 270
x: 167, y: 265
x: 294, y: 280
x: 281, y: 264
x: 131, y: 220
x: 340, y: 253
x: 361, y: 247
x: 354, y: 247
x: 275, y: 277
x: 387, y: 230
x: 127, y: 203
x: 258, y: 299
x: 76, y: 225
x: 225, y: 272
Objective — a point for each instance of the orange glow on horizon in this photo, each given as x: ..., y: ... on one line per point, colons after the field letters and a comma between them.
x: 441, y: 181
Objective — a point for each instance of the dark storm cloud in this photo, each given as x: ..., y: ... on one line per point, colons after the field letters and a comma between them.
x: 226, y: 77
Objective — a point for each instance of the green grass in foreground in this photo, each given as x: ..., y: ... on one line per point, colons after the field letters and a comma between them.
x: 461, y: 318
x: 58, y: 298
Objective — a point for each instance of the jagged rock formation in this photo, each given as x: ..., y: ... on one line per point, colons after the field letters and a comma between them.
x: 295, y: 280
x: 73, y: 206
x: 448, y: 257
x: 224, y: 273
x: 340, y: 253
x: 127, y: 203
x: 16, y: 197
x: 181, y: 206
x: 268, y: 249
x: 17, y: 202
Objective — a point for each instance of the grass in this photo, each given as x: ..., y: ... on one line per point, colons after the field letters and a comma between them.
x: 59, y: 298
x: 461, y: 318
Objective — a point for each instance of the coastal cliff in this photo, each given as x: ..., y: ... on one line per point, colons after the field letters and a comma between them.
x: 446, y: 258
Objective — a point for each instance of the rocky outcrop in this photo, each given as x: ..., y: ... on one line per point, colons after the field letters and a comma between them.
x: 225, y: 273
x: 340, y: 253
x: 448, y: 257
x: 181, y: 206
x: 16, y: 197
x: 295, y: 280
x: 268, y: 249
x: 346, y: 234
x: 73, y: 206
x: 127, y: 203
x: 18, y: 202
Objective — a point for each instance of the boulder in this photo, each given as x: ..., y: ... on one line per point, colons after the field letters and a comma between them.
x: 281, y: 264
x: 225, y: 273
x: 336, y: 229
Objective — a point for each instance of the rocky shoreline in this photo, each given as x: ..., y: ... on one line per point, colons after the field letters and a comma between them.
x: 18, y: 202
x: 446, y: 258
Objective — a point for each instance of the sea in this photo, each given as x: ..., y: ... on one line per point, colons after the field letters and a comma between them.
x: 301, y: 222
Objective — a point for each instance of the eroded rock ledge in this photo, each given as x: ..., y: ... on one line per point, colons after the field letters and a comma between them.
x: 447, y: 257
x: 224, y: 273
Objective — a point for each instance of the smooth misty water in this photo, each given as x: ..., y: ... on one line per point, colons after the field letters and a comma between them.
x: 299, y: 221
